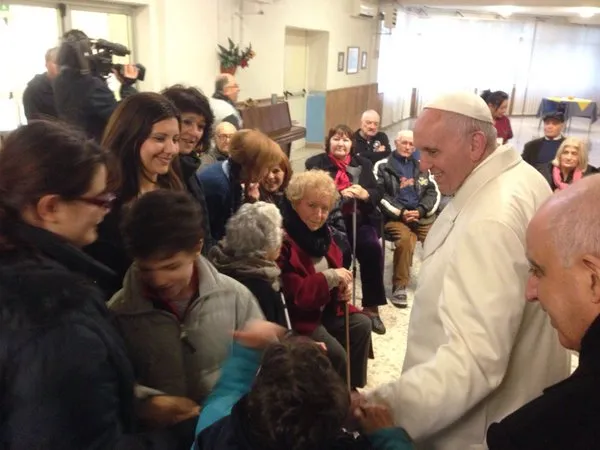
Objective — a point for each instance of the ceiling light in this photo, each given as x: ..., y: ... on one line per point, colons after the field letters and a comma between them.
x: 587, y: 13
x: 506, y: 11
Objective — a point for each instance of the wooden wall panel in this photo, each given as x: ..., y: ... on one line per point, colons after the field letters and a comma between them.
x: 346, y: 105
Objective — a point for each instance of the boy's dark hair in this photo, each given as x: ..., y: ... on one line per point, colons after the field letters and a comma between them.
x: 162, y: 223
x: 298, y: 401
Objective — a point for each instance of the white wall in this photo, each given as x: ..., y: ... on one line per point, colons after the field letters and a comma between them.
x: 178, y: 42
x: 267, y: 34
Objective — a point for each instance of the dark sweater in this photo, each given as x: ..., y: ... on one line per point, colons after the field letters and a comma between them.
x: 366, y: 147
x: 38, y: 98
x: 566, y: 416
x: 531, y: 151
x: 548, y: 150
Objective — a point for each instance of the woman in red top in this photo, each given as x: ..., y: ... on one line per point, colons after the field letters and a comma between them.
x: 498, y: 104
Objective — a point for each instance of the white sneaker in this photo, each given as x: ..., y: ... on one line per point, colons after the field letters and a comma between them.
x: 399, y: 298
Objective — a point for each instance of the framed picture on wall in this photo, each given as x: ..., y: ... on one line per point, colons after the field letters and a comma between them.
x: 341, y: 60
x: 352, y: 62
x: 363, y: 60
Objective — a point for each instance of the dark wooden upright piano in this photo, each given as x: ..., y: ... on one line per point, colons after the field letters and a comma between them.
x: 275, y: 121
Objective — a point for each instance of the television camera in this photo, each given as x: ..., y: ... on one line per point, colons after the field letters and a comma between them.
x: 101, y: 58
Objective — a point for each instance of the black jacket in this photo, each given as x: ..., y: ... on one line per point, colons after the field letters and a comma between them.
x: 360, y: 171
x: 187, y: 166
x: 531, y: 151
x: 86, y: 101
x: 389, y: 181
x: 109, y: 248
x: 269, y: 299
x: 196, y: 190
x: 65, y: 380
x: 38, y: 98
x: 566, y: 416
x: 366, y: 148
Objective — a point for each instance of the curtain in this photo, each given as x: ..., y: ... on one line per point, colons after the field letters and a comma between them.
x: 442, y: 54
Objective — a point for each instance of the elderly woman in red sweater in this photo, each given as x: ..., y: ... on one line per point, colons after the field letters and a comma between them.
x: 315, y: 284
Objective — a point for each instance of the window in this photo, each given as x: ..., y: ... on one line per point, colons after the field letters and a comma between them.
x: 27, y: 32
x: 17, y: 24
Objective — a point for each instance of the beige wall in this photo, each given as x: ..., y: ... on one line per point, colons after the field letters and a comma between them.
x: 267, y: 34
x: 178, y: 42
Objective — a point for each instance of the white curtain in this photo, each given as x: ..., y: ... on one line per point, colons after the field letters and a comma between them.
x: 565, y: 61
x: 441, y: 54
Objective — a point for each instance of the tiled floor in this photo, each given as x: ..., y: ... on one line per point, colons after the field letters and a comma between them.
x: 391, y: 347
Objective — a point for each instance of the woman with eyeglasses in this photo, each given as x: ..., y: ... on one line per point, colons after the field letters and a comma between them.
x: 143, y: 134
x: 65, y: 379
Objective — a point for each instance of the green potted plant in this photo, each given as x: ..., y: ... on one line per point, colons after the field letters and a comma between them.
x: 233, y: 57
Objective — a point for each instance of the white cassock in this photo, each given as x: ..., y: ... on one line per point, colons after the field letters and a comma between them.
x: 477, y: 351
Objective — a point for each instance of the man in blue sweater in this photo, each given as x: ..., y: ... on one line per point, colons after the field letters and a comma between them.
x: 540, y: 152
x: 291, y: 399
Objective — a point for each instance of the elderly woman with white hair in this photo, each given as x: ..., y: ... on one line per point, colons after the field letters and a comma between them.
x: 248, y: 252
x: 315, y: 284
x: 569, y: 165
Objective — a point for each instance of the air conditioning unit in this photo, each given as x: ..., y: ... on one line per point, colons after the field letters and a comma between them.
x: 390, y: 16
x: 365, y: 8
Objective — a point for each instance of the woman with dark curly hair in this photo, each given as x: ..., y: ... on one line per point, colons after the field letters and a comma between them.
x: 196, y: 124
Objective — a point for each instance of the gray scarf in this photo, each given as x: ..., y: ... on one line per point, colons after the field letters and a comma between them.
x: 239, y: 267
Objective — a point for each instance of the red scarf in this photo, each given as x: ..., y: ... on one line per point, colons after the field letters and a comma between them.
x: 559, y: 183
x: 342, y: 181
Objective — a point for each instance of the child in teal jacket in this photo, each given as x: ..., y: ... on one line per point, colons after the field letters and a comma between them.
x: 295, y: 400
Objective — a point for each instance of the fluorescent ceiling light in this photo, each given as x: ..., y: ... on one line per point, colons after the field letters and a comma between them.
x: 506, y: 11
x: 587, y: 13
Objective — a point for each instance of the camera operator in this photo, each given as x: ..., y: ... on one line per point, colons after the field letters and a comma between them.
x: 81, y: 93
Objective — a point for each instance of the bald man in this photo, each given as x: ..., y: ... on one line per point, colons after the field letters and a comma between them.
x: 219, y: 151
x: 369, y: 142
x: 563, y: 248
x: 38, y: 97
x: 223, y: 101
x: 476, y: 351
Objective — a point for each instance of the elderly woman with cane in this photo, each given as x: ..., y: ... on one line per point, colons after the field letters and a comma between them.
x: 354, y: 180
x: 315, y: 284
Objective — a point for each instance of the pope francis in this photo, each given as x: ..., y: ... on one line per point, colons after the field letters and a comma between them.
x: 476, y: 350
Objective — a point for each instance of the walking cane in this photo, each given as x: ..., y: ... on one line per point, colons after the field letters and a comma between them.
x: 346, y: 306
x: 285, y: 311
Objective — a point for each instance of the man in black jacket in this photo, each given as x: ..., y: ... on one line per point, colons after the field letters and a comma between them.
x: 563, y: 248
x: 410, y: 201
x: 540, y: 152
x: 38, y: 97
x: 369, y: 142
x: 82, y: 97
